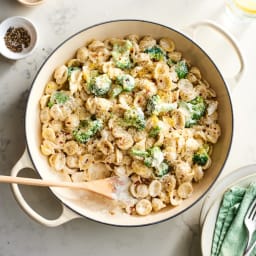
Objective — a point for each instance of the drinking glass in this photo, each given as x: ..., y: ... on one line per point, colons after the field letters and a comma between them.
x: 243, y: 9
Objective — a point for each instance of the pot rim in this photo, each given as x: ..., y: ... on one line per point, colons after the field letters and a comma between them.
x: 193, y: 42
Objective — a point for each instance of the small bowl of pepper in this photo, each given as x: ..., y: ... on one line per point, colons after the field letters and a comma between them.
x: 18, y: 37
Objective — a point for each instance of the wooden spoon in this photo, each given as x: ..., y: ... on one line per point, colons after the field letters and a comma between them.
x: 112, y: 188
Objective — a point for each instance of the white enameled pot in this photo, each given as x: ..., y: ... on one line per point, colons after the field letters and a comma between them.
x: 76, y: 205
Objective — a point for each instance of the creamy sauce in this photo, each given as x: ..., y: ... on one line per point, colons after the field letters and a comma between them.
x: 158, y: 158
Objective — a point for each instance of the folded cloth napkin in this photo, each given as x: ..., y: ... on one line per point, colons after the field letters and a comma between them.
x: 230, y: 235
x: 228, y: 209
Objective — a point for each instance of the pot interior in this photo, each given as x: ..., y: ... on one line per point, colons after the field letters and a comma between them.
x: 90, y: 205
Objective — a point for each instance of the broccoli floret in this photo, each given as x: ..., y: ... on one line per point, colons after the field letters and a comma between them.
x: 140, y: 153
x: 181, y: 69
x: 122, y: 46
x: 155, y: 106
x: 201, y: 156
x: 121, y: 54
x: 122, y: 60
x: 198, y: 107
x: 155, y: 53
x: 127, y: 82
x: 100, y: 85
x: 156, y: 160
x: 58, y: 98
x: 193, y: 110
x: 153, y: 158
x: 135, y: 117
x: 162, y: 169
x: 87, y: 129
x: 154, y: 131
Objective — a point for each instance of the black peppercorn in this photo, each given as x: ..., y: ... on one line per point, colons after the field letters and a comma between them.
x: 16, y: 39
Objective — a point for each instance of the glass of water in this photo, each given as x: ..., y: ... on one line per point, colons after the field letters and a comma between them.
x: 244, y: 9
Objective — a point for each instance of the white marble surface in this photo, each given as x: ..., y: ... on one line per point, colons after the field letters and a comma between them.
x: 19, y: 235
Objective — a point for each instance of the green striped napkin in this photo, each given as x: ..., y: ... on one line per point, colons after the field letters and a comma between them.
x: 230, y: 234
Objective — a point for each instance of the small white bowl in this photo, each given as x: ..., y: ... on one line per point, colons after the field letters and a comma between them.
x: 241, y: 177
x: 18, y: 21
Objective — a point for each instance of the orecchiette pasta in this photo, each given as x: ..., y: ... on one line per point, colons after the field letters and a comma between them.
x: 82, y: 54
x: 50, y: 88
x: 133, y: 107
x: 155, y: 188
x: 70, y: 148
x: 48, y: 134
x: 185, y: 190
x: 73, y: 162
x: 48, y: 148
x: 157, y: 204
x: 174, y: 198
x: 167, y: 44
x: 143, y: 207
x: 61, y: 74
x: 45, y: 115
x: 139, y: 191
x: 147, y: 42
x: 57, y: 161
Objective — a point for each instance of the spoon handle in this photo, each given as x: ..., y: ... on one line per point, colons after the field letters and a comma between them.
x: 104, y: 187
x: 40, y: 182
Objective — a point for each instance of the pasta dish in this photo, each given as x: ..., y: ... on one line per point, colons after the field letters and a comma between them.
x: 135, y: 107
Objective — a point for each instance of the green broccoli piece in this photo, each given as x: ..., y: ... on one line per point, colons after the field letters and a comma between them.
x: 122, y: 61
x: 121, y: 54
x: 154, y: 131
x: 162, y: 169
x: 122, y: 46
x: 156, y: 160
x: 87, y: 129
x: 127, y: 82
x: 181, y: 69
x: 134, y: 117
x: 198, y: 107
x: 193, y: 110
x: 58, y: 98
x: 115, y: 91
x: 155, y: 106
x: 140, y: 153
x: 201, y: 156
x: 155, y: 53
x: 153, y: 158
x: 99, y: 85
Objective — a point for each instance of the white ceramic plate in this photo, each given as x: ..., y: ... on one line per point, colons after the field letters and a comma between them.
x: 242, y: 177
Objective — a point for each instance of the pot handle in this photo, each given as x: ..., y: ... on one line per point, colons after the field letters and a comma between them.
x: 191, y: 29
x: 65, y: 216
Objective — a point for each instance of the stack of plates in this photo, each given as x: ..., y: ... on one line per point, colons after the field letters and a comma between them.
x: 241, y: 177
